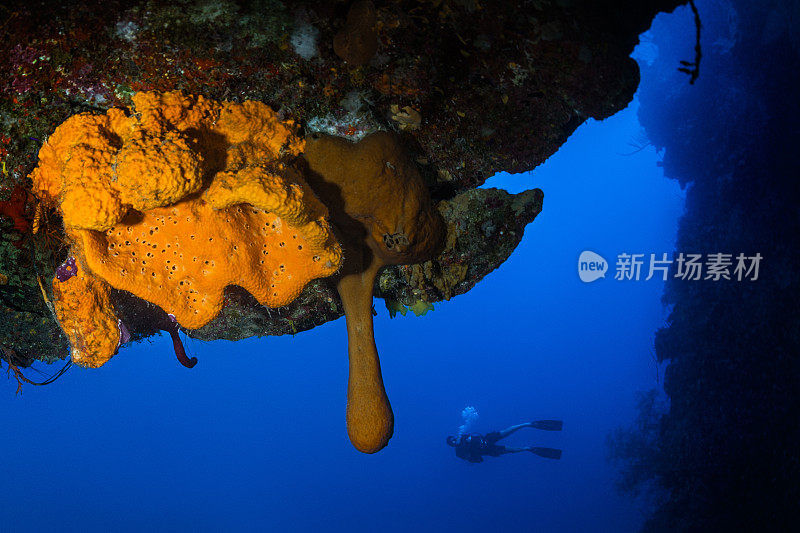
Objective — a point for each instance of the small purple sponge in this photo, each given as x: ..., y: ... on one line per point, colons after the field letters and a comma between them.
x: 67, y: 269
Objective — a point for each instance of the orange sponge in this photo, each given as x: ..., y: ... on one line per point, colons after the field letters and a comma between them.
x: 87, y: 317
x: 180, y: 199
x: 171, y: 165
x: 183, y: 256
x: 385, y: 216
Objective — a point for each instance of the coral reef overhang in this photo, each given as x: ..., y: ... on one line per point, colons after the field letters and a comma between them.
x: 471, y: 89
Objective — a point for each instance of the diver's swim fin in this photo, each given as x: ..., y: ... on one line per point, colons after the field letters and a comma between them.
x: 548, y: 425
x: 548, y: 453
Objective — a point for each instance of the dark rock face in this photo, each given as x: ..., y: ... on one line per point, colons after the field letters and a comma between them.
x: 357, y: 41
x: 471, y: 88
x: 483, y: 228
x: 725, y: 454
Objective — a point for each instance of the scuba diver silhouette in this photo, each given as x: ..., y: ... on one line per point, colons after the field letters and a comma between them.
x: 472, y: 447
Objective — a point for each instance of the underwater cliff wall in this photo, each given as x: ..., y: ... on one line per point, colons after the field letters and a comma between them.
x: 726, y: 452
x: 470, y: 89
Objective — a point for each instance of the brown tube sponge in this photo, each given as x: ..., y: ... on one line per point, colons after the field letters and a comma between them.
x: 383, y: 215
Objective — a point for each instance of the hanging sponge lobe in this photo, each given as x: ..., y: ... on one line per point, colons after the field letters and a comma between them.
x: 85, y: 313
x: 385, y: 216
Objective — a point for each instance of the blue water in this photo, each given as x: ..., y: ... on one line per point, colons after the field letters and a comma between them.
x: 253, y: 437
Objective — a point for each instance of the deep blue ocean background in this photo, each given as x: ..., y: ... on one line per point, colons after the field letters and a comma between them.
x: 253, y: 438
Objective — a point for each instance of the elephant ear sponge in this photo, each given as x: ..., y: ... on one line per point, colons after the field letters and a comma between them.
x: 180, y: 199
x: 181, y: 257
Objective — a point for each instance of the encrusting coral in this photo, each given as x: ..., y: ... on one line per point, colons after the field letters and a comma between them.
x: 383, y: 215
x: 177, y: 201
